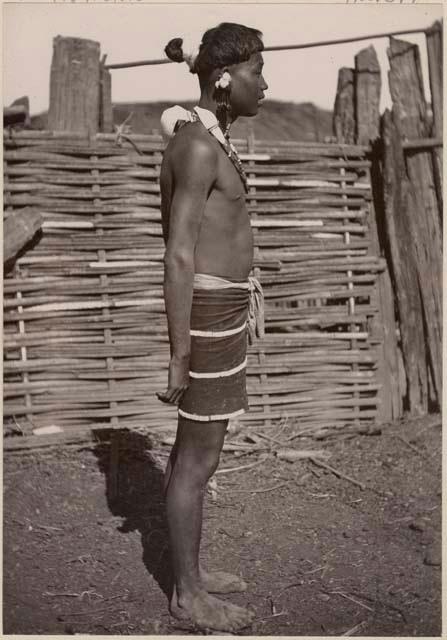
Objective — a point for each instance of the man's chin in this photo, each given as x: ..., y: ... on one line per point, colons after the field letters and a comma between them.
x: 249, y: 112
x: 259, y: 105
x: 252, y: 112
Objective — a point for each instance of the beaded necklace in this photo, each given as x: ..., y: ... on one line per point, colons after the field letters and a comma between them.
x: 226, y: 144
x: 234, y: 157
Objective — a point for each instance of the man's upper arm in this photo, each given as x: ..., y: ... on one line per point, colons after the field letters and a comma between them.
x: 194, y: 172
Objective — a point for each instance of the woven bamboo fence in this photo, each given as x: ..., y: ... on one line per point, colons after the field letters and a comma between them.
x: 85, y: 337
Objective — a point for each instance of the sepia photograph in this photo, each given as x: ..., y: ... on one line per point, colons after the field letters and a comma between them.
x: 222, y: 318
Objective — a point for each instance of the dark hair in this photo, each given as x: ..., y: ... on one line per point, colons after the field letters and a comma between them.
x: 174, y: 49
x: 228, y: 43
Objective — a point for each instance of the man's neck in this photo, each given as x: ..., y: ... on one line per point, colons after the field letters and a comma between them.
x: 207, y: 102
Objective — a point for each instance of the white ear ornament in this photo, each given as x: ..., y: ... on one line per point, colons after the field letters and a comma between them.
x: 224, y: 81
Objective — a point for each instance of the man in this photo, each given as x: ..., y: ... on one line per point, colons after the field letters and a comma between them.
x: 209, y: 251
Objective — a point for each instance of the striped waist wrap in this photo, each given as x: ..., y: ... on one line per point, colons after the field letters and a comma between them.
x: 222, y: 313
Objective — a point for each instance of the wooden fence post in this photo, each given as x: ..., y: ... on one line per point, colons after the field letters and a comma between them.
x: 344, y: 117
x: 410, y: 118
x: 434, y: 41
x: 74, y: 86
x: 367, y: 95
x: 400, y: 207
x: 17, y: 112
x: 383, y: 327
x: 367, y: 88
x: 105, y: 100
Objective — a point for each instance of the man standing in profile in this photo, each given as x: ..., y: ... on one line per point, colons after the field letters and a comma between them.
x: 210, y: 300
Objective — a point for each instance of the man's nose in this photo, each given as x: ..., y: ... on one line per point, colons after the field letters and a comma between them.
x: 264, y: 84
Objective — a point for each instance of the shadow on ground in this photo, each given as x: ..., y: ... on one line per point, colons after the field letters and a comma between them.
x: 134, y: 491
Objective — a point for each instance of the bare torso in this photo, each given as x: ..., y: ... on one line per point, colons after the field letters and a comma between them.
x: 224, y: 245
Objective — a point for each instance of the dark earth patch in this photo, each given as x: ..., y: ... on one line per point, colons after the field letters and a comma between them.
x: 85, y: 549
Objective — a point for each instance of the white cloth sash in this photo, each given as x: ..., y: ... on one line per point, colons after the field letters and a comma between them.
x: 256, y: 319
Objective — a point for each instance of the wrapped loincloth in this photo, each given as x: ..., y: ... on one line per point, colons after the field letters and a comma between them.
x: 222, y: 314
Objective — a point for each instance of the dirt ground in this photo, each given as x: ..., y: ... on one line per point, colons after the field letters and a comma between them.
x: 85, y: 548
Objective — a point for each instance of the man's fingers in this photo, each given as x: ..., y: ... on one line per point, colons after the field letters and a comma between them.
x: 164, y: 396
x: 178, y: 394
x: 172, y: 395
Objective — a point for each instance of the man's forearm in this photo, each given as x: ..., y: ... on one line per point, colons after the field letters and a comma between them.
x: 178, y: 292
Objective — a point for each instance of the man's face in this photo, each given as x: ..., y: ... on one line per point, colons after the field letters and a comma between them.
x: 247, y: 86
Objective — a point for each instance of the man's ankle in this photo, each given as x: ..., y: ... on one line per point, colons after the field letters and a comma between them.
x: 187, y: 590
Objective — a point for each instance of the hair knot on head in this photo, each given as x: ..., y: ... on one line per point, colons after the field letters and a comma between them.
x: 185, y: 49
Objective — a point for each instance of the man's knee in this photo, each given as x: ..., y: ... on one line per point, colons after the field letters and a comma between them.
x: 211, y: 458
x: 195, y: 468
x: 199, y: 446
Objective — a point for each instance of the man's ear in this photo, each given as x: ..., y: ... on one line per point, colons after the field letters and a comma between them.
x: 216, y: 74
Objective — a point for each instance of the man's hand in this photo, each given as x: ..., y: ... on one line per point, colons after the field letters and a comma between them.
x: 178, y: 380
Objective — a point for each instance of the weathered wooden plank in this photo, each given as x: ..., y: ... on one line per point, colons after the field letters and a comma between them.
x: 74, y: 86
x: 400, y: 207
x: 410, y: 118
x: 105, y: 101
x: 344, y: 112
x: 368, y: 82
x: 383, y: 326
x: 14, y: 115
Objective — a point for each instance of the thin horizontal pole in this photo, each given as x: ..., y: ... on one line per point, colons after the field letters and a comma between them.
x: 423, y: 143
x: 286, y: 47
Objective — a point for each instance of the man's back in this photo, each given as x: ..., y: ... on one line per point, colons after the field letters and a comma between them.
x: 224, y: 244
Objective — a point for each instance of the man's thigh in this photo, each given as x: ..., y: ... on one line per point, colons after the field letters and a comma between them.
x: 200, y: 436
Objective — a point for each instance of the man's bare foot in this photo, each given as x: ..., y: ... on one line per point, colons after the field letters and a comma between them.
x: 221, y: 582
x: 207, y: 612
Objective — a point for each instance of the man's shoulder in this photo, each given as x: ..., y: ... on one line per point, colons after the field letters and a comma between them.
x: 192, y: 140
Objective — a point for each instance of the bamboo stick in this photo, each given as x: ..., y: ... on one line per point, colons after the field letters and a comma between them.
x: 104, y: 138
